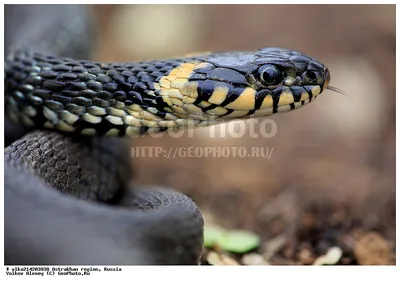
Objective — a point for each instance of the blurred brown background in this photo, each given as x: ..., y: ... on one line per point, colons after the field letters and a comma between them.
x: 330, y: 180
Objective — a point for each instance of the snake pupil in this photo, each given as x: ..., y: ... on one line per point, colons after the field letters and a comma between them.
x: 270, y: 75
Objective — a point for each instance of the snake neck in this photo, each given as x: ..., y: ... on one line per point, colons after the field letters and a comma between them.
x: 114, y: 99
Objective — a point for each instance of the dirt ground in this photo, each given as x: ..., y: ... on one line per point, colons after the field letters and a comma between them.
x: 329, y: 183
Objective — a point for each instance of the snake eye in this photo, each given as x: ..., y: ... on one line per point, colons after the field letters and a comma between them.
x: 270, y: 75
x: 309, y: 76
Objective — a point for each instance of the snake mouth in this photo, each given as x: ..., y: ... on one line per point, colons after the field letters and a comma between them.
x: 284, y: 99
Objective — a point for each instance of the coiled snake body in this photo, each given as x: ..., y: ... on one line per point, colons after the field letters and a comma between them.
x: 79, y: 109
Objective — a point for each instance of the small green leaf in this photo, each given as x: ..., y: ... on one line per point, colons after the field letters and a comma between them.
x: 212, y: 234
x: 239, y: 241
x: 235, y: 241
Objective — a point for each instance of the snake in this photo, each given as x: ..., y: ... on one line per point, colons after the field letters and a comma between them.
x: 68, y: 174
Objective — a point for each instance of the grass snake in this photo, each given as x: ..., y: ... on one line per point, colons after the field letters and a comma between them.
x: 64, y: 121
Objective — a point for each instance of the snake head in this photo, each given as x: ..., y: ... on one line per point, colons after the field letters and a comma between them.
x: 223, y: 86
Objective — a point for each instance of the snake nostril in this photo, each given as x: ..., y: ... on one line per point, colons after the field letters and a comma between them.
x: 297, y: 81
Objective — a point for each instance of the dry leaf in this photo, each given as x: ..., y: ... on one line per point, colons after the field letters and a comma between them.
x: 372, y: 249
x: 254, y: 259
x: 331, y: 257
x: 220, y: 259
